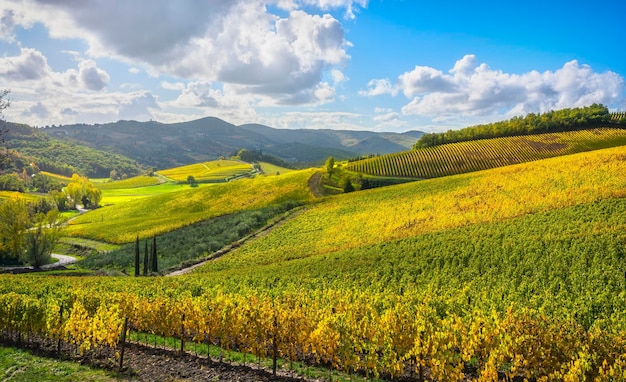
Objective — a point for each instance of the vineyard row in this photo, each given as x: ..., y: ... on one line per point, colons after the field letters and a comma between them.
x: 377, y: 335
x: 463, y: 157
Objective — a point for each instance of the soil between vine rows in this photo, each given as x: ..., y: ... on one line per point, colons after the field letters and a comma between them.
x: 144, y: 363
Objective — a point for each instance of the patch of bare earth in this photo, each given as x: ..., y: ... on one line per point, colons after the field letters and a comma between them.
x: 145, y: 363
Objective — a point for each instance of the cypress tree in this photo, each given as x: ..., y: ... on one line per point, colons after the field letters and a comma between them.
x: 137, y: 256
x: 145, y: 260
x: 155, y: 265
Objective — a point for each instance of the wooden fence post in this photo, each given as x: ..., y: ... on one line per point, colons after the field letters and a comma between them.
x: 123, y: 343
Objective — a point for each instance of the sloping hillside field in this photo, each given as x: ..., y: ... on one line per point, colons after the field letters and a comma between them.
x: 214, y: 171
x: 511, y: 272
x: 172, y: 209
x: 463, y: 157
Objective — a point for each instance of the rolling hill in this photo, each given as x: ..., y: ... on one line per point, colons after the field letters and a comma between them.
x: 172, y: 145
x: 516, y: 271
x: 30, y: 145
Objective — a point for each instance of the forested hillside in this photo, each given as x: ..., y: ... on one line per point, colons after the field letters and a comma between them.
x: 160, y: 145
x: 553, y: 121
x: 28, y: 146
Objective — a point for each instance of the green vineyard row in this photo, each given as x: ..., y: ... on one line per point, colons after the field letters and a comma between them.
x: 463, y: 157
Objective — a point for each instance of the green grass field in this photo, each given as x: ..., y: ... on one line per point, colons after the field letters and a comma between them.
x: 21, y: 365
x: 214, y: 171
x: 271, y: 169
x: 166, y: 210
x: 122, y: 195
x: 20, y: 195
x: 135, y: 182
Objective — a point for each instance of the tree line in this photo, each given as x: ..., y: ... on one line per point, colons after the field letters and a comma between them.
x: 596, y: 115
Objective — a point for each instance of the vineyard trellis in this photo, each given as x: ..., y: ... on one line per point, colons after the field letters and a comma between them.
x: 462, y: 157
x: 379, y: 335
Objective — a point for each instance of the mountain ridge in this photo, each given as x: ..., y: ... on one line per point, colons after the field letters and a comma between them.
x: 168, y: 145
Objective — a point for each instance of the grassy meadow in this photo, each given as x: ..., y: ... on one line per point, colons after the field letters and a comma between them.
x: 134, y: 182
x: 19, y: 195
x: 21, y: 365
x: 122, y: 195
x: 167, y: 211
x: 214, y: 171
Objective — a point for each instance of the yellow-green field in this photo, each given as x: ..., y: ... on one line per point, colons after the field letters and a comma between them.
x: 62, y: 179
x: 18, y: 195
x: 208, y: 171
x: 122, y: 195
x: 464, y: 157
x: 137, y: 181
x: 167, y: 210
x: 271, y: 169
x: 374, y: 216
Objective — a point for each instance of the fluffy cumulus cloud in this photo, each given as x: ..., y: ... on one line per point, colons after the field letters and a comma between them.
x: 30, y: 65
x: 351, y: 6
x: 473, y: 89
x: 236, y: 42
x: 47, y: 96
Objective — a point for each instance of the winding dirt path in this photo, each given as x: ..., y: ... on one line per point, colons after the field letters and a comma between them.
x: 315, y: 185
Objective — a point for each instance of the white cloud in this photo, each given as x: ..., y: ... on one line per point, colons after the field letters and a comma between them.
x: 338, y: 76
x: 424, y: 79
x: 200, y: 94
x: 237, y: 42
x: 351, y: 6
x: 178, y: 86
x: 92, y: 77
x: 470, y: 89
x: 30, y: 65
x: 42, y: 96
x: 387, y: 117
x: 378, y: 87
x: 7, y: 23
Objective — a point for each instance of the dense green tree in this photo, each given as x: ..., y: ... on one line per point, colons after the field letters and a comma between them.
x: 330, y: 165
x: 11, y: 182
x: 595, y: 115
x: 155, y: 263
x: 14, y: 221
x: 145, y: 260
x: 346, y: 183
x: 192, y: 181
x: 80, y: 189
x: 137, y: 256
x: 60, y: 198
x: 41, y: 238
x: 44, y: 184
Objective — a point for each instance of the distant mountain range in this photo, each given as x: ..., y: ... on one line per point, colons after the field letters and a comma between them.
x: 169, y: 145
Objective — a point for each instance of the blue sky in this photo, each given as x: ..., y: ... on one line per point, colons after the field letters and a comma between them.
x: 383, y: 65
